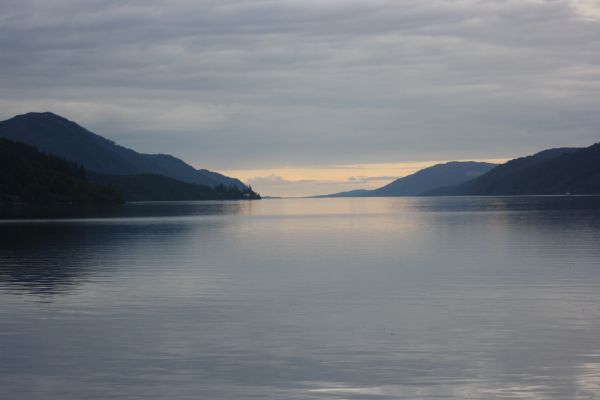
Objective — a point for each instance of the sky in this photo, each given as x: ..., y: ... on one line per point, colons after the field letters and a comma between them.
x: 300, y: 97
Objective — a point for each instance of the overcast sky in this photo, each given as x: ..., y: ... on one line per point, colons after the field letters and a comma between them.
x: 281, y: 87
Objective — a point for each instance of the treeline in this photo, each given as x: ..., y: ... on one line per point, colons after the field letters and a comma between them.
x: 28, y: 176
x: 31, y: 177
x: 153, y: 187
x: 550, y: 172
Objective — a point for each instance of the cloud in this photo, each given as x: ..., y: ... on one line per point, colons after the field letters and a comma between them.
x: 587, y: 9
x: 369, y: 179
x: 276, y: 180
x: 278, y: 185
x: 235, y: 84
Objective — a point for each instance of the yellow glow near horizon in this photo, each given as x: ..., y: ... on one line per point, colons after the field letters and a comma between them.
x: 288, y: 181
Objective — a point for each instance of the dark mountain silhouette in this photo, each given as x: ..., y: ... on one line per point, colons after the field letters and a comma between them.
x: 425, y: 180
x: 28, y: 176
x: 554, y: 171
x: 58, y: 136
x: 152, y: 187
x: 351, y: 193
x: 450, y: 173
x: 31, y: 177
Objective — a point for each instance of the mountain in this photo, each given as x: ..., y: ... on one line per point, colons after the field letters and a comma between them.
x: 351, y: 193
x: 554, y: 171
x: 152, y: 187
x: 450, y: 173
x: 58, y: 136
x: 31, y: 177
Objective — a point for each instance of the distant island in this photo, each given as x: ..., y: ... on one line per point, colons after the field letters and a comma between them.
x: 94, y: 169
x: 549, y: 172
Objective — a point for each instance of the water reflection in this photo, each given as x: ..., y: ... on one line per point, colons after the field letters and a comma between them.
x: 52, y: 255
x: 480, y: 298
x: 128, y: 210
x: 43, y: 259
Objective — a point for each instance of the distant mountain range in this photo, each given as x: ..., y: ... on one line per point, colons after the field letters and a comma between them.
x: 97, y: 169
x: 427, y: 179
x: 549, y: 172
x: 350, y: 193
x: 450, y: 173
x: 58, y: 136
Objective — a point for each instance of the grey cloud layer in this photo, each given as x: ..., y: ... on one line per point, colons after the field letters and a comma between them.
x: 234, y: 84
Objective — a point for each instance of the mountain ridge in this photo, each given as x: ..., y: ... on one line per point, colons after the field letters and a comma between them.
x: 431, y: 177
x: 59, y: 136
x: 423, y: 180
x: 549, y: 172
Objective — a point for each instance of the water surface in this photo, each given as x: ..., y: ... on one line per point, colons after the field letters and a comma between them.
x: 391, y: 298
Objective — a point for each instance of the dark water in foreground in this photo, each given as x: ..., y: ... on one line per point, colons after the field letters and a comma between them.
x: 415, y: 298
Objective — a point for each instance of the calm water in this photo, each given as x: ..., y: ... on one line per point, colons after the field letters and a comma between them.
x: 414, y: 298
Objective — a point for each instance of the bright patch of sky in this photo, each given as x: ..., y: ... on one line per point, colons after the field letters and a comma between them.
x: 327, y: 179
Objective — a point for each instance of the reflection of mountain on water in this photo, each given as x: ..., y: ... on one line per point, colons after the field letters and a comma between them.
x: 53, y: 257
x: 41, y: 258
x: 57, y: 256
x: 130, y: 210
